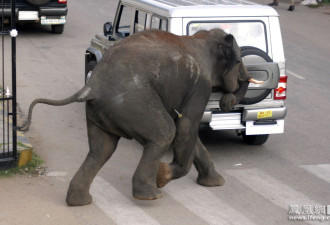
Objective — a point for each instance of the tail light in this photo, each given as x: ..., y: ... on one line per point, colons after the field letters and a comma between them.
x: 62, y: 1
x: 280, y: 91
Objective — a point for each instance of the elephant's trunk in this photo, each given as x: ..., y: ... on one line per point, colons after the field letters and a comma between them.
x: 243, y: 87
x: 228, y: 100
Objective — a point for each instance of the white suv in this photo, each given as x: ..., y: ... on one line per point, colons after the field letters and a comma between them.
x: 256, y: 29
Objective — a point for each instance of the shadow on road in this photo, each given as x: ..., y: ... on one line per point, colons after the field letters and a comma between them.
x: 33, y: 29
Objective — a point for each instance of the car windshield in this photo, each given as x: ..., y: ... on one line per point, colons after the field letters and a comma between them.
x: 247, y: 33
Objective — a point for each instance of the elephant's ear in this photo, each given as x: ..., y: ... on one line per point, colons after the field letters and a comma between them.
x: 236, y: 58
x: 232, y: 55
x: 229, y: 47
x: 229, y: 39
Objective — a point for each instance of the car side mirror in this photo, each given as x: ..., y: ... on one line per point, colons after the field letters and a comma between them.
x: 107, y: 29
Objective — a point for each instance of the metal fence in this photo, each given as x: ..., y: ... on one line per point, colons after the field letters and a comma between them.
x: 8, y: 121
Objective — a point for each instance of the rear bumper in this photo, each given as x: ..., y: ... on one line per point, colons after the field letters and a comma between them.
x: 6, y: 12
x: 238, y: 120
x: 261, y: 114
x: 53, y: 11
x: 42, y: 11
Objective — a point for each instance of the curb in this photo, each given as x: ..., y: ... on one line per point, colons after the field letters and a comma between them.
x: 24, y: 148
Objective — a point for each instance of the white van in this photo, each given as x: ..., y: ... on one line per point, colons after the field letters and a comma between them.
x: 257, y: 31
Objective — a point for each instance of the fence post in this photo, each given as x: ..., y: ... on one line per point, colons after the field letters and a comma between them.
x: 8, y: 151
x: 13, y: 55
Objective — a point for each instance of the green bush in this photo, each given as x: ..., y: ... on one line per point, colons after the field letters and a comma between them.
x: 33, y: 168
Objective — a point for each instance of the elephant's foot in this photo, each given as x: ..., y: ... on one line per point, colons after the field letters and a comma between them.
x: 146, y: 193
x: 164, y: 175
x: 78, y: 198
x: 212, y: 180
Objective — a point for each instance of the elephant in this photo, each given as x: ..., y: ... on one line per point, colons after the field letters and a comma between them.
x: 153, y: 87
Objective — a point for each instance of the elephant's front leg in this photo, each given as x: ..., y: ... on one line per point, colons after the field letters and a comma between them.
x: 184, y: 151
x: 184, y: 144
x: 157, y: 136
x: 207, y: 175
x: 144, y: 179
x: 102, y: 145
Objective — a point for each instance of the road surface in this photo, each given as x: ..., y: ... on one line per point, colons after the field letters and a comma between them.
x: 264, y: 184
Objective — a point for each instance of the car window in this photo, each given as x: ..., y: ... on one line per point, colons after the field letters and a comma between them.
x: 246, y: 33
x: 125, y: 18
x: 140, y: 21
x: 158, y: 23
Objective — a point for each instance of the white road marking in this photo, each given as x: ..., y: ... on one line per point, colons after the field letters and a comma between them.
x: 56, y: 174
x: 295, y: 75
x: 115, y: 205
x: 322, y: 171
x: 204, y: 203
x: 273, y: 190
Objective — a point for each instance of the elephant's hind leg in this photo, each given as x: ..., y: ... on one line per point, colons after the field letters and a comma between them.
x: 102, y: 145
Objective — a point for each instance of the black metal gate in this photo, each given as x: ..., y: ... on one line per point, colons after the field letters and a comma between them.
x: 8, y: 121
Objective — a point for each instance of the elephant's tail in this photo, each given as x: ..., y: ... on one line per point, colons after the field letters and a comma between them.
x: 81, y: 96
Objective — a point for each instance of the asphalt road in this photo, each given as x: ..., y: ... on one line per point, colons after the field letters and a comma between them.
x: 263, y: 184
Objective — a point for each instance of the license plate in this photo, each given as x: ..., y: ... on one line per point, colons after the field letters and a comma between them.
x: 265, y: 114
x: 50, y: 21
x: 252, y: 129
x: 28, y: 15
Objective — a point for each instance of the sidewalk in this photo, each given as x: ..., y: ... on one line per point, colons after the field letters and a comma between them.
x: 36, y: 200
x: 28, y: 198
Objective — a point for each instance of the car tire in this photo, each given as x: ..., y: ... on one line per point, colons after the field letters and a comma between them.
x: 248, y: 51
x: 255, y: 139
x: 38, y: 2
x: 58, y: 29
x: 89, y: 68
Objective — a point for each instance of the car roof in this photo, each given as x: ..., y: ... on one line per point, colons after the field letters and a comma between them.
x: 204, y: 8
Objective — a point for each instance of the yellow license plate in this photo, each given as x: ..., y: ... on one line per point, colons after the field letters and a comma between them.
x: 265, y: 114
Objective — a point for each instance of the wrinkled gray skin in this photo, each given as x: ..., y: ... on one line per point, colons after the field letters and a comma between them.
x: 134, y: 92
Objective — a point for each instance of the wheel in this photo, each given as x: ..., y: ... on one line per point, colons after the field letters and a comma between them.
x: 58, y: 29
x: 89, y: 70
x: 255, y: 139
x: 255, y: 96
x: 38, y: 2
